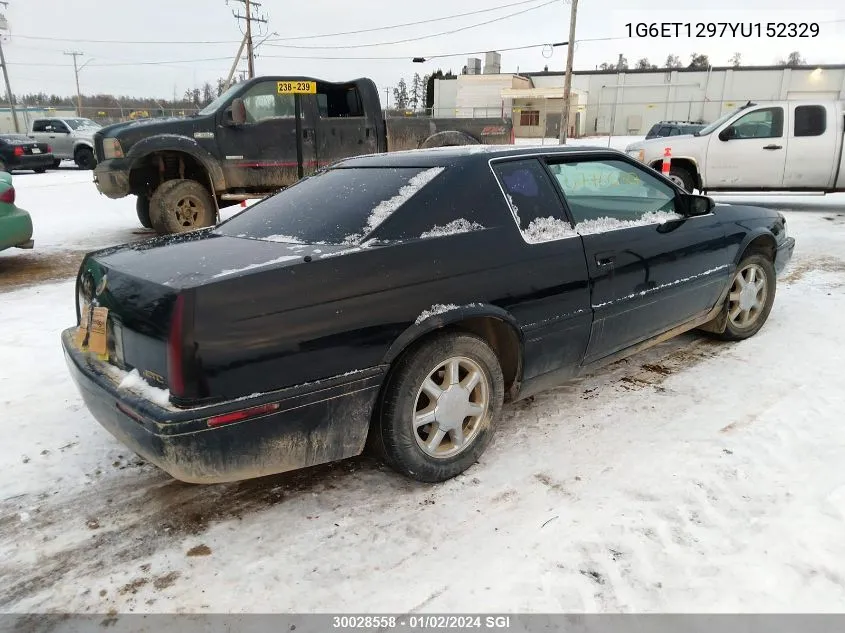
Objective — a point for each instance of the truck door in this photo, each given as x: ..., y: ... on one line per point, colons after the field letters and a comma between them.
x: 343, y: 128
x: 811, y: 147
x: 263, y: 154
x: 750, y: 152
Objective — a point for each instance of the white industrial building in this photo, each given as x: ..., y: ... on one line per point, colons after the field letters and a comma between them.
x: 25, y: 115
x: 628, y: 102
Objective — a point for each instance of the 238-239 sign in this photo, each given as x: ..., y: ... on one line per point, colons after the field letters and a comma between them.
x: 296, y: 87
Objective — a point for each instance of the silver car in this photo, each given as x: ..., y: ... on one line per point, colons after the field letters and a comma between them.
x: 70, y: 138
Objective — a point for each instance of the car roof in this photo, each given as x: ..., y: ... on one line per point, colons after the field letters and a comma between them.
x: 465, y: 154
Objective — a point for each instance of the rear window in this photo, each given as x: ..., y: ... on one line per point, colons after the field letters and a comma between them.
x: 339, y: 206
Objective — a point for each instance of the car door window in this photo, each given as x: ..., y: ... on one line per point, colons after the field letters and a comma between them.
x: 664, y: 131
x: 39, y: 126
x: 610, y: 194
x: 59, y: 126
x: 810, y: 120
x: 763, y: 123
x: 533, y: 200
x: 263, y: 102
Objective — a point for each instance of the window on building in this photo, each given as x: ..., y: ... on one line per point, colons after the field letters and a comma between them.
x: 810, y: 120
x: 763, y: 123
x: 529, y: 118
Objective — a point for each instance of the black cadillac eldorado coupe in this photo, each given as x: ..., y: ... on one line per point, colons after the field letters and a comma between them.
x: 400, y: 299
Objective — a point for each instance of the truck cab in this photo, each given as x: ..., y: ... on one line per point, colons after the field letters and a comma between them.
x: 788, y: 145
x: 256, y: 138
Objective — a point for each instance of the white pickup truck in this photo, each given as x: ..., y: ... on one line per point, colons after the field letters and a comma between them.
x: 773, y: 146
x: 71, y: 139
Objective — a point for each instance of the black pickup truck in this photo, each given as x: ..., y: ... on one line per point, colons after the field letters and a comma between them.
x: 256, y: 138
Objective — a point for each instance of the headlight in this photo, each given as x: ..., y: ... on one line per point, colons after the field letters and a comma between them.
x: 112, y: 148
x: 639, y: 154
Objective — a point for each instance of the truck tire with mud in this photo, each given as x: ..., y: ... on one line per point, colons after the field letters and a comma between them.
x: 180, y: 205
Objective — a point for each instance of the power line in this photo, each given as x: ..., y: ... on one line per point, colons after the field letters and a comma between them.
x: 421, y: 37
x: 282, y: 39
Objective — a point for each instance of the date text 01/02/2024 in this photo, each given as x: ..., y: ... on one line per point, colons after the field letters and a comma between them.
x: 723, y: 29
x: 421, y: 622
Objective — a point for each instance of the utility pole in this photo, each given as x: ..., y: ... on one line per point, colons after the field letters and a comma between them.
x: 76, y: 54
x: 249, y: 18
x: 3, y: 27
x: 567, y: 84
x: 236, y: 62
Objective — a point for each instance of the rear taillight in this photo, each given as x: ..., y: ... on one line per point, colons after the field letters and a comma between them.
x: 175, y: 367
x: 237, y: 416
x: 49, y: 149
x: 8, y: 195
x: 18, y: 151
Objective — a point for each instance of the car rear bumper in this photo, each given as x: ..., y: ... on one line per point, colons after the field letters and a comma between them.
x: 784, y: 254
x: 15, y: 227
x: 313, y: 424
x: 34, y: 161
x: 112, y: 180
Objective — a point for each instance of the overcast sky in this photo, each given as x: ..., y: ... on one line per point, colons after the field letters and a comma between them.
x: 38, y: 64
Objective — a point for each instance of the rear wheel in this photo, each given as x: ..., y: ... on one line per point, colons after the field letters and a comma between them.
x: 40, y: 170
x: 84, y: 158
x: 438, y: 408
x: 4, y: 168
x: 142, y: 208
x: 750, y: 298
x: 178, y: 206
x: 57, y: 163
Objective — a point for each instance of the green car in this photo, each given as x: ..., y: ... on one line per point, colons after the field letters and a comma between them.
x: 15, y: 223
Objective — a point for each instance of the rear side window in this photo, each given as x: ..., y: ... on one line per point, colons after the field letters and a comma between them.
x: 39, y: 126
x: 810, y: 120
x: 533, y: 200
x: 339, y: 206
x: 665, y: 131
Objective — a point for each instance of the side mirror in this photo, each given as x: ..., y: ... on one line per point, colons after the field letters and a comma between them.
x: 699, y: 205
x: 727, y: 134
x: 237, y: 112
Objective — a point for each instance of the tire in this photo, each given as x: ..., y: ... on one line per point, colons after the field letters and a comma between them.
x: 735, y: 306
x: 84, y: 158
x: 142, y: 208
x: 682, y: 177
x: 40, y: 170
x: 178, y: 206
x: 4, y: 168
x: 57, y: 163
x: 403, y: 443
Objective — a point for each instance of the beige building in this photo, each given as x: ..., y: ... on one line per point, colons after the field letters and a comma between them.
x: 631, y: 101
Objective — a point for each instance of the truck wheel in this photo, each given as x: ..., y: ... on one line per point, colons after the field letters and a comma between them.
x: 57, y: 163
x: 178, y: 206
x: 142, y: 208
x: 40, y: 170
x: 84, y: 158
x: 446, y: 139
x: 439, y: 405
x: 682, y: 177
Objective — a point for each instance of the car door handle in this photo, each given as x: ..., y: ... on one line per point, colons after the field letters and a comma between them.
x: 773, y: 147
x: 605, y: 260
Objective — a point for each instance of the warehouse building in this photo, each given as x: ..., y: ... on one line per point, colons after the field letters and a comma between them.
x: 628, y: 102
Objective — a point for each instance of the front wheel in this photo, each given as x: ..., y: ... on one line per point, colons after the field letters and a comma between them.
x: 178, y: 206
x: 750, y: 298
x: 682, y: 177
x: 439, y: 405
x: 84, y: 158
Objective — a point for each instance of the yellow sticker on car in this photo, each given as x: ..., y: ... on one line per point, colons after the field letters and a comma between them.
x: 296, y: 87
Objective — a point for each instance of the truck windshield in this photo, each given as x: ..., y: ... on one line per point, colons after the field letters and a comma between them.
x: 339, y: 206
x: 214, y: 105
x: 707, y: 129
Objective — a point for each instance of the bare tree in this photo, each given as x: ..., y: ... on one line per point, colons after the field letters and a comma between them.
x: 793, y: 59
x: 643, y: 64
x: 400, y: 94
x: 699, y: 62
x: 673, y: 61
x: 736, y: 60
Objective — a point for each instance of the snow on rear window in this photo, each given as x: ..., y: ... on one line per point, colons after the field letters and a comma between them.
x: 547, y: 230
x: 385, y: 208
x: 454, y: 227
x: 339, y: 206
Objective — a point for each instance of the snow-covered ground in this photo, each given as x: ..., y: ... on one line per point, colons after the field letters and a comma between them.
x: 695, y: 477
